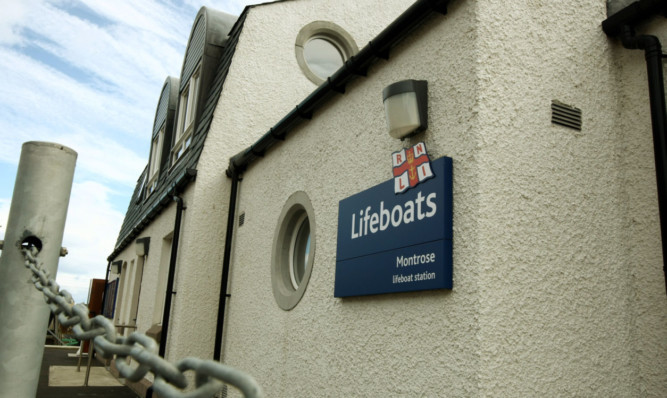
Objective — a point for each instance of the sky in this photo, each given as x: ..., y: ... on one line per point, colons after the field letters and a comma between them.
x: 87, y: 74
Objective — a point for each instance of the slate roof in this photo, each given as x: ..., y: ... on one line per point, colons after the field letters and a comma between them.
x: 141, y: 211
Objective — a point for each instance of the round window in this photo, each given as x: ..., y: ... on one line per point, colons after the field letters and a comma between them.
x: 293, y: 251
x: 322, y: 48
x: 323, y: 57
x: 299, y: 250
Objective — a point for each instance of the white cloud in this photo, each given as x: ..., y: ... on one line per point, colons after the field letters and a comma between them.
x: 233, y: 7
x: 118, y: 74
x: 90, y: 80
x: 39, y: 94
x: 13, y: 11
x: 90, y: 219
x: 104, y: 158
x: 71, y: 114
x: 4, y: 214
x: 161, y: 19
x: 76, y: 284
x: 121, y: 55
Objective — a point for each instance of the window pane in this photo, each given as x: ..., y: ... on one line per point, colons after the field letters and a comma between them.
x: 323, y: 57
x: 301, y: 252
x: 154, y: 148
x: 186, y: 109
x: 156, y: 153
x: 182, y: 113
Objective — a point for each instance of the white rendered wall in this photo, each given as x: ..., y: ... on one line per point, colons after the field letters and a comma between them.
x: 573, y: 234
x: 415, y: 344
x: 641, y: 231
x: 160, y: 228
x: 558, y: 288
x: 557, y: 262
x: 264, y: 83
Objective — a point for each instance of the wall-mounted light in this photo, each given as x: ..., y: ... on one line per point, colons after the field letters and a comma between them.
x: 115, y: 267
x: 406, y: 107
x: 141, y: 246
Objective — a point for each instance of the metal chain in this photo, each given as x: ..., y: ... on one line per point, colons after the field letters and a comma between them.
x: 170, y: 379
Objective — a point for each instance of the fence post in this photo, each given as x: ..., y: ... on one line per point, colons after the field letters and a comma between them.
x: 37, y: 215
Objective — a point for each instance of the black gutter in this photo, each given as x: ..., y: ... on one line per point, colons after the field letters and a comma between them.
x: 356, y: 66
x: 186, y: 176
x: 632, y: 15
x: 170, y: 279
x: 226, y: 260
x: 621, y: 24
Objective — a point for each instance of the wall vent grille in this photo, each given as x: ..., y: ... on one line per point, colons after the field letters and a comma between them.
x: 565, y: 115
x: 241, y: 219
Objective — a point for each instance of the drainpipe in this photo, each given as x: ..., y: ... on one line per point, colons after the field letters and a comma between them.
x: 653, y: 53
x: 222, y: 303
x: 170, y: 279
x: 106, y: 281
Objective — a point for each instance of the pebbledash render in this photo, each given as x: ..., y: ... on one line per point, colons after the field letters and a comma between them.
x: 558, y: 282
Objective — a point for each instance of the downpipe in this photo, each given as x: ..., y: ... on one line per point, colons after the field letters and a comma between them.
x: 106, y: 282
x: 172, y: 271
x: 224, y: 281
x: 656, y: 85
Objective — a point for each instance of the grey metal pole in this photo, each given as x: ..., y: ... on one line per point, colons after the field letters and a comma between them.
x: 78, y: 365
x: 91, y: 345
x: 37, y: 215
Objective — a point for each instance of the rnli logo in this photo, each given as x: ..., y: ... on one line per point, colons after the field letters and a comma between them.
x: 411, y: 167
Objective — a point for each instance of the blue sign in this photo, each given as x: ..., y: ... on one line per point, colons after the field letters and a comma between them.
x: 390, y: 243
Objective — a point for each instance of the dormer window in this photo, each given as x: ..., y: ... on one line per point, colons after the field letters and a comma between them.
x: 186, y: 116
x: 154, y: 166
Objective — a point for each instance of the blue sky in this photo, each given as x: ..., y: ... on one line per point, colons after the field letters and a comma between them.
x: 87, y: 74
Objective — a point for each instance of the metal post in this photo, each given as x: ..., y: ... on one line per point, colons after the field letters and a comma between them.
x: 80, y: 351
x: 36, y: 216
x: 90, y: 361
x: 56, y: 328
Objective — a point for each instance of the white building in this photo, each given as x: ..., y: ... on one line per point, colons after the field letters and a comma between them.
x: 558, y: 287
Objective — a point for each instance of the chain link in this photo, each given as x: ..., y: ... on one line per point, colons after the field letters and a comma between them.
x: 170, y: 378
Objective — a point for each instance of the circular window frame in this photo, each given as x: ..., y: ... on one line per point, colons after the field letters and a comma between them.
x: 291, y: 218
x: 330, y: 32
